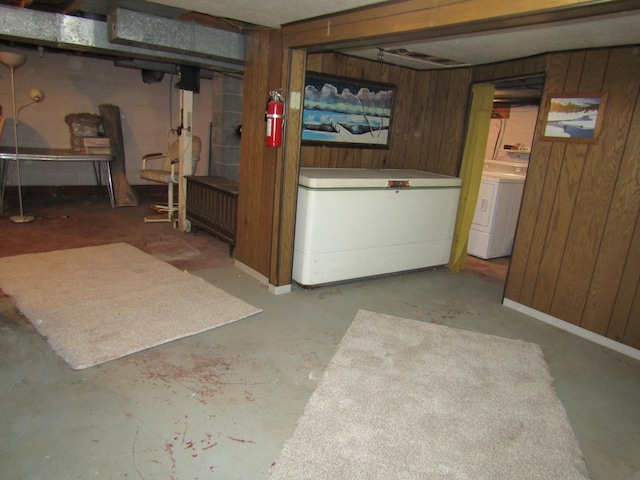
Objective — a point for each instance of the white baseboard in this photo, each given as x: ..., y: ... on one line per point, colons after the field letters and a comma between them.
x: 250, y: 271
x: 279, y: 290
x: 276, y: 290
x: 569, y: 327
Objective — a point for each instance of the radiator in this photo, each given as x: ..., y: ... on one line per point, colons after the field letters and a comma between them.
x: 212, y: 204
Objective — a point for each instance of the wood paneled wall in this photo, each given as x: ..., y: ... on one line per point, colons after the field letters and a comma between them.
x: 428, y: 117
x: 258, y: 163
x: 577, y: 248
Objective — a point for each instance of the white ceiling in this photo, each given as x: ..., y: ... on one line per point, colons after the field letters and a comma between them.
x: 508, y: 44
x: 268, y: 13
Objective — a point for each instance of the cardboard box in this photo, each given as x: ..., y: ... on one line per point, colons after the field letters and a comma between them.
x: 100, y: 142
x: 97, y: 150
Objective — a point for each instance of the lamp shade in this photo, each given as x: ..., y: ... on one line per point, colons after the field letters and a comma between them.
x: 12, y: 60
x: 36, y: 95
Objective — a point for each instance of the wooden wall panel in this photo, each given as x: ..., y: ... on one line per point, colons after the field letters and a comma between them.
x: 543, y: 230
x: 594, y: 196
x: 286, y: 185
x: 527, y: 252
x: 581, y: 74
x: 632, y: 333
x: 614, y: 255
x: 558, y: 198
x: 625, y: 319
x: 564, y: 179
x: 625, y: 316
x: 454, y: 123
x: 438, y: 113
x: 428, y: 121
x: 622, y: 210
x: 403, y: 119
x: 415, y: 158
x: 577, y: 250
x: 573, y: 73
x: 429, y: 162
x: 314, y: 63
x: 513, y: 69
x: 257, y: 166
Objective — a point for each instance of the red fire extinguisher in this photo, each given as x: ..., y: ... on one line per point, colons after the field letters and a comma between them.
x: 275, y: 119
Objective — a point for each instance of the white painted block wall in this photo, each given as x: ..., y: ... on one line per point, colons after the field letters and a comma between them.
x: 518, y: 128
x: 77, y: 84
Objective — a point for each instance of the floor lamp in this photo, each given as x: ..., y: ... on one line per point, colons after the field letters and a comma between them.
x: 13, y: 61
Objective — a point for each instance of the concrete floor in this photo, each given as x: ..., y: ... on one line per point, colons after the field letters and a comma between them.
x: 220, y: 405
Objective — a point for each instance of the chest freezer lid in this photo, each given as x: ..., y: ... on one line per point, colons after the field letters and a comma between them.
x: 326, y: 178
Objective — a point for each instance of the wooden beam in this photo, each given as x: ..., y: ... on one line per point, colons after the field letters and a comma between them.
x: 414, y: 20
x: 111, y: 121
x: 186, y: 157
x: 287, y: 178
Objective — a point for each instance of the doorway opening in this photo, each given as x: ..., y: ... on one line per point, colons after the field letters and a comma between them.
x: 510, y: 141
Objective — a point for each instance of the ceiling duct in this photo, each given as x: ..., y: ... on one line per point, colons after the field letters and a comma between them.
x: 87, y: 35
x: 519, y: 91
x: 127, y: 27
x: 418, y: 57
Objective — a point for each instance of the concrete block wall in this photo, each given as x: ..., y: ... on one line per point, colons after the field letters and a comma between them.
x: 227, y: 116
x: 74, y: 84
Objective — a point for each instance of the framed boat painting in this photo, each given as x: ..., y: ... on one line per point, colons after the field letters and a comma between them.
x: 346, y: 112
x: 574, y: 117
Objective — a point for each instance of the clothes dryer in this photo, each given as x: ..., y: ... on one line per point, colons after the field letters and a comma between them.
x: 496, y: 215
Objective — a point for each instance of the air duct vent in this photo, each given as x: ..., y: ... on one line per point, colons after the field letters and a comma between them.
x: 422, y: 57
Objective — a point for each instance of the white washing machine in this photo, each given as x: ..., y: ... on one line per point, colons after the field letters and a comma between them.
x: 496, y: 216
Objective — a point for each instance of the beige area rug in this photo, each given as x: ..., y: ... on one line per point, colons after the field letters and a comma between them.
x: 403, y: 399
x: 96, y: 304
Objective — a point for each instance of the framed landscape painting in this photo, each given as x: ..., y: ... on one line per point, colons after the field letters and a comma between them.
x: 574, y: 118
x: 346, y: 112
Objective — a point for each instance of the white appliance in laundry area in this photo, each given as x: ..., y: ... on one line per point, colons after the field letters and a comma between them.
x: 354, y: 223
x: 496, y: 215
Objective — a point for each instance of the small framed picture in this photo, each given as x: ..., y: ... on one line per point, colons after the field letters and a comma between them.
x: 574, y: 117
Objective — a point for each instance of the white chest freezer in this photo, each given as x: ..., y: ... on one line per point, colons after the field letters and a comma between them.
x: 355, y: 223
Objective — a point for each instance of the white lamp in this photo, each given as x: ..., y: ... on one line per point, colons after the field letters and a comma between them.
x: 13, y: 61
